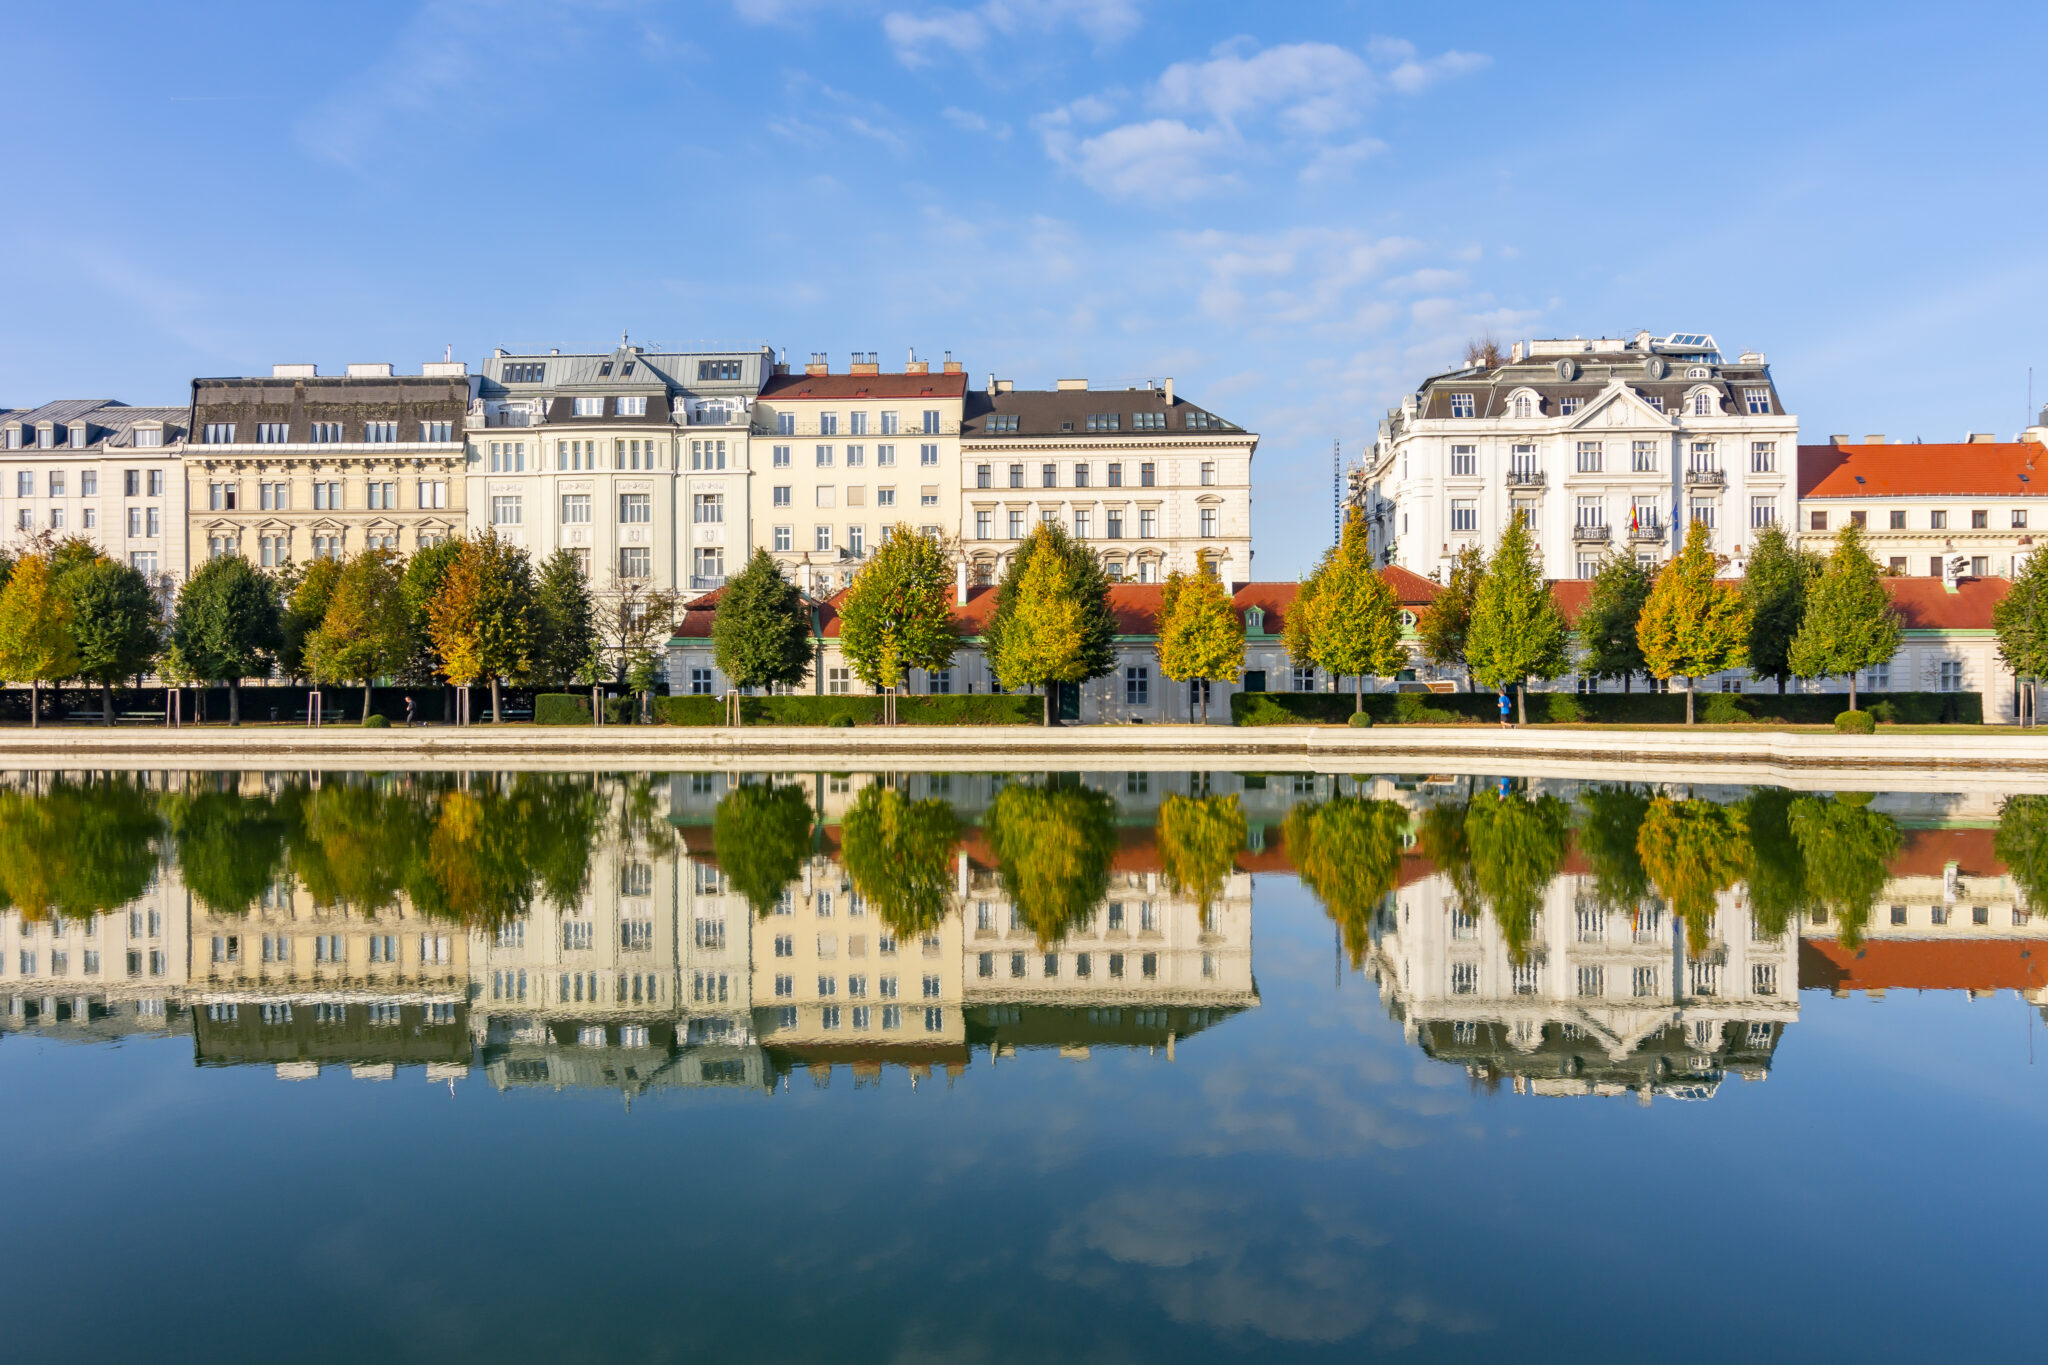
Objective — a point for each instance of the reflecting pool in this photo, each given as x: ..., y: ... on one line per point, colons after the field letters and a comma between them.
x: 1131, y: 1066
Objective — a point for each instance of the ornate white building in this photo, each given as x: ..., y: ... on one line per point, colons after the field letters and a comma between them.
x: 1606, y: 446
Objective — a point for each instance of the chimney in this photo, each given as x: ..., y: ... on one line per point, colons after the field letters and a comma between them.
x: 1983, y: 438
x: 1874, y: 440
x: 1005, y: 385
x: 1514, y: 352
x: 294, y: 371
x: 991, y: 381
x: 864, y: 362
x: 816, y: 364
x: 960, y: 584
x: 1169, y: 391
x: 1838, y: 440
x: 952, y: 366
x: 445, y: 369
x: 915, y: 366
x: 1071, y: 385
x: 382, y: 371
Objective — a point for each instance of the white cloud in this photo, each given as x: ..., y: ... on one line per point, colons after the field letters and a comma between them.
x: 918, y: 38
x: 1315, y: 88
x: 914, y: 35
x: 1162, y: 159
x: 968, y: 121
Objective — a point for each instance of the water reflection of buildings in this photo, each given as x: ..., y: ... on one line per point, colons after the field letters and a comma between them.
x: 99, y: 977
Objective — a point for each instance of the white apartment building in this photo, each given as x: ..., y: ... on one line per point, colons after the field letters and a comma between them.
x: 844, y: 457
x: 1606, y: 446
x: 1950, y: 510
x: 634, y: 460
x: 1154, y: 482
x: 101, y: 470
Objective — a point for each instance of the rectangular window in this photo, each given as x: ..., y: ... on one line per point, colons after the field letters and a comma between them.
x: 632, y: 407
x: 856, y: 456
x: 1084, y: 525
x: 380, y: 433
x: 838, y: 683
x: 636, y: 561
x: 1763, y: 457
x: 437, y: 433
x: 984, y: 525
x: 1898, y: 520
x: 1147, y: 475
x: 785, y: 539
x: 273, y: 433
x: 587, y: 407
x: 1951, y: 676
x: 1016, y: 476
x: 1208, y: 523
x: 856, y: 541
x: 431, y: 493
x: 928, y: 456
x: 781, y: 457
x: 1148, y: 524
x: 1758, y: 401
x: 1116, y: 474
x: 828, y: 424
x: 711, y: 455
x: 1208, y: 473
x: 885, y: 457
x: 1137, y: 685
x: 88, y: 483
x: 1113, y: 523
x: 1763, y: 512
x: 1980, y: 521
x: 1464, y: 514
x: 1464, y: 461
x: 822, y: 457
x: 1589, y: 457
x: 218, y: 433
x: 1461, y: 405
x: 1591, y: 513
x: 2019, y: 518
x: 1817, y: 521
x: 575, y: 509
x: 1937, y: 521
x: 931, y: 422
x: 1643, y: 457
x: 1702, y: 511
x: 637, y: 509
x: 1016, y: 526
x: 506, y: 510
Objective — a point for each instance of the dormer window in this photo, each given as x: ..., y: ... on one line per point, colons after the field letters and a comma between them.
x: 1699, y: 372
x: 604, y: 371
x: 1569, y: 406
x: 525, y: 373
x: 1002, y: 422
x: 1102, y: 421
x: 632, y: 407
x: 78, y: 436
x: 1204, y: 421
x: 380, y: 433
x: 1461, y: 405
x: 149, y: 436
x: 273, y: 433
x: 1254, y: 621
x: 46, y: 437
x: 14, y: 436
x: 1703, y: 403
x: 325, y: 433
x: 626, y: 369
x: 589, y: 407
x: 718, y: 369
x: 1758, y: 401
x: 1525, y: 406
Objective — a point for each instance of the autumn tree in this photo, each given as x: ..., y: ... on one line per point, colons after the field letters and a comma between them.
x: 1774, y: 591
x: 1692, y: 850
x: 1297, y: 628
x: 1200, y: 635
x: 564, y: 619
x: 1517, y: 844
x: 761, y: 834
x: 761, y: 634
x: 899, y: 854
x: 1483, y: 353
x: 1052, y: 622
x: 35, y: 630
x: 117, y: 624
x: 226, y: 625
x: 1199, y: 839
x: 1692, y: 624
x: 1606, y: 627
x: 1052, y: 846
x: 76, y: 847
x: 364, y: 632
x: 898, y: 615
x: 1347, y: 852
x: 1448, y: 621
x: 422, y: 581
x: 304, y: 590
x: 1355, y: 621
x: 1516, y: 631
x: 1850, y: 622
x: 479, y: 618
x: 635, y: 617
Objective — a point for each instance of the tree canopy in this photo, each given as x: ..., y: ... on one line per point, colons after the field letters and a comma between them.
x: 761, y: 635
x: 1693, y: 624
x: 1516, y: 631
x: 117, y: 624
x: 1850, y: 622
x: 1445, y: 627
x: 1347, y: 852
x: 761, y: 834
x: 1052, y: 621
x: 1052, y: 846
x: 898, y: 615
x: 1354, y: 617
x: 564, y: 619
x: 226, y: 625
x: 1200, y: 633
x: 1199, y: 839
x: 1606, y: 627
x: 1774, y: 594
x: 899, y: 854
x: 479, y: 618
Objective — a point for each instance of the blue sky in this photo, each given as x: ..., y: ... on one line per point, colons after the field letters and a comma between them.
x: 1295, y: 210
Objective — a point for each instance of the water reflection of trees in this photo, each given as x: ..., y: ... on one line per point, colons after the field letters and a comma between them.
x: 1692, y: 851
x: 1347, y: 851
x: 76, y: 846
x: 1199, y: 840
x: 761, y: 834
x: 1847, y: 848
x: 1052, y: 846
x: 899, y: 855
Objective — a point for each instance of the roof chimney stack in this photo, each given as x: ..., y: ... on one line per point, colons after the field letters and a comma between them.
x: 1514, y: 353
x: 294, y: 371
x: 1169, y: 391
x: 952, y: 366
x: 864, y: 362
x: 1983, y: 438
x: 816, y: 364
x: 1876, y: 440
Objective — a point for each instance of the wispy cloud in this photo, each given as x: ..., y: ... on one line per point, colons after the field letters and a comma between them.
x: 923, y: 37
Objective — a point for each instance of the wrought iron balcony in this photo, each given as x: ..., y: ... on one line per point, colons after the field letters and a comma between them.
x: 1646, y: 533
x: 1583, y: 534
x: 1525, y: 478
x: 1704, y: 478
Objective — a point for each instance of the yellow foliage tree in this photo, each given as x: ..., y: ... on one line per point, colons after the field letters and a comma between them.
x: 1200, y: 633
x: 35, y: 630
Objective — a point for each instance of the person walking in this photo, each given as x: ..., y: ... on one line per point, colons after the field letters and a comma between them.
x: 1505, y: 723
x: 408, y: 711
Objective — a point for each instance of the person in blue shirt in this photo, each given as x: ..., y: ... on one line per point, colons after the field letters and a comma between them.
x: 1505, y: 723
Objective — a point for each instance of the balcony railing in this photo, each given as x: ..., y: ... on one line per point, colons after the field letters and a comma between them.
x: 1583, y: 534
x: 706, y: 582
x: 1525, y: 478
x: 1646, y: 532
x: 1704, y: 478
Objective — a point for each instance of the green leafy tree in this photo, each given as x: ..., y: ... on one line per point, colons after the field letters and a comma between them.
x: 36, y: 644
x: 117, y: 624
x: 1199, y: 839
x: 1517, y: 844
x: 479, y: 618
x: 304, y: 591
x: 1607, y: 625
x: 761, y: 834
x: 1200, y: 633
x: 230, y: 846
x: 422, y: 582
x: 76, y: 847
x: 898, y: 615
x: 1609, y: 823
x: 2022, y: 845
x: 1775, y: 870
x: 564, y: 619
x: 365, y: 632
x: 226, y: 625
x: 1774, y: 592
x: 1297, y: 628
x: 1850, y: 623
x: 1355, y: 629
x: 1052, y: 622
x: 1693, y: 850
x: 1052, y: 847
x: 1848, y: 847
x: 899, y: 855
x: 761, y: 635
x: 1447, y: 623
x: 1347, y: 852
x: 2020, y: 621
x: 1516, y: 631
x: 1692, y: 625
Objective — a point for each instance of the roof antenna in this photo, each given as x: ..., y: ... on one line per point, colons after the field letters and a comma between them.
x: 448, y: 351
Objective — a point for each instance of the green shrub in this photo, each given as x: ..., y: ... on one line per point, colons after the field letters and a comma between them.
x: 1885, y: 713
x: 561, y: 708
x: 978, y: 708
x: 810, y: 710
x: 1361, y: 719
x: 1727, y: 708
x: 689, y: 710
x: 618, y: 711
x: 373, y: 721
x: 1855, y: 723
x: 841, y: 722
x: 1290, y: 708
x: 1562, y: 708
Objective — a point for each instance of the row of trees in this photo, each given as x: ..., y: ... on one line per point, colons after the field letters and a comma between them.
x: 1793, y: 615
x: 466, y: 611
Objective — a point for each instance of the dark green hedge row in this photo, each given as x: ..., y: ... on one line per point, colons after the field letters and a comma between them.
x: 1614, y: 708
x: 561, y: 708
x: 978, y: 709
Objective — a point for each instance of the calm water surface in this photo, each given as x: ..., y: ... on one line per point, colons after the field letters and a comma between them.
x: 1116, y: 1067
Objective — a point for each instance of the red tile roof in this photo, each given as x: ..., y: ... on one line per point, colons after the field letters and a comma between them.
x: 1983, y: 964
x: 1927, y: 852
x: 1970, y: 469
x: 785, y: 387
x: 1923, y: 603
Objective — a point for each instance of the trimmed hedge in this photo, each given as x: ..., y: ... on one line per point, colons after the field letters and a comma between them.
x: 975, y: 709
x: 561, y: 708
x: 1855, y: 723
x: 1611, y: 708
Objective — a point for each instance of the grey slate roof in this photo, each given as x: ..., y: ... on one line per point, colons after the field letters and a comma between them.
x: 1065, y: 412
x: 109, y: 422
x: 652, y: 372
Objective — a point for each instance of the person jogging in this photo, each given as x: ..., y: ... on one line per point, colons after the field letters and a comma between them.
x: 1505, y: 723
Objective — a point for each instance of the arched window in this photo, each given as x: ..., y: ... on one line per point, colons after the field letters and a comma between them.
x: 1703, y: 403
x: 1523, y: 407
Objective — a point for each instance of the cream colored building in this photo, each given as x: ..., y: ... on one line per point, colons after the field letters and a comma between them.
x: 101, y: 470
x: 1967, y: 509
x: 635, y: 460
x: 128, y: 966
x: 842, y: 458
x: 301, y: 466
x: 1153, y: 482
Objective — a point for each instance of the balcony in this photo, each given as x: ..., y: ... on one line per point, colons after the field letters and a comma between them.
x: 706, y: 582
x: 1704, y: 478
x: 1590, y: 535
x: 1646, y: 533
x: 1525, y: 478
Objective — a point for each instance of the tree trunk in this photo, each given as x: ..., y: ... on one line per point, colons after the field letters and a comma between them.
x: 35, y: 704
x: 1205, y: 701
x: 1522, y: 702
x: 1852, y: 691
x: 1047, y: 689
x: 496, y: 717
x: 366, y: 699
x: 1781, y: 687
x: 1357, y: 693
x: 234, y: 701
x: 107, y: 703
x: 1688, y: 701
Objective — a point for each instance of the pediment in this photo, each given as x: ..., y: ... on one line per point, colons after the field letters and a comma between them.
x: 1618, y: 406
